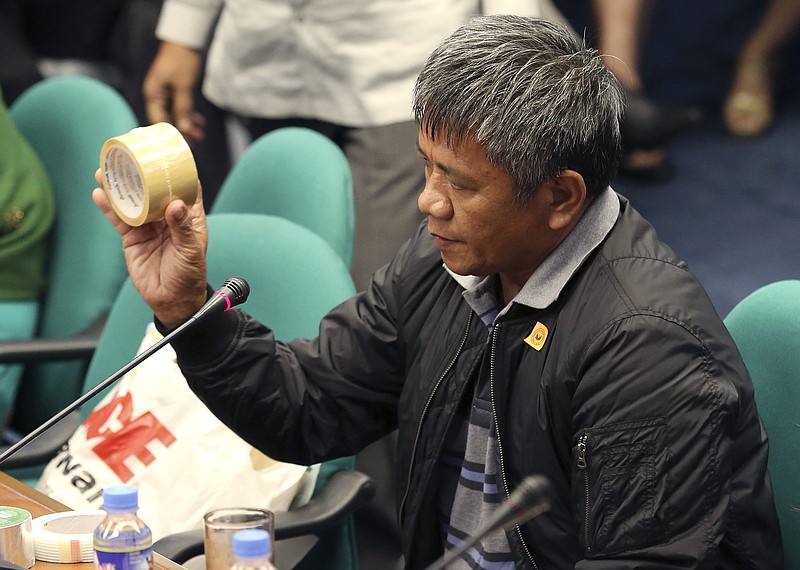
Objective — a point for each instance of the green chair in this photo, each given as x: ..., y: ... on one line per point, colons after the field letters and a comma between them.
x: 297, y: 174
x: 67, y: 120
x: 766, y: 328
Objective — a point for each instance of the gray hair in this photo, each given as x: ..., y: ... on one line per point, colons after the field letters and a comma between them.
x: 537, y: 99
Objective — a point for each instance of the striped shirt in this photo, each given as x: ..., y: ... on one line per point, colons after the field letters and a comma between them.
x: 472, y: 488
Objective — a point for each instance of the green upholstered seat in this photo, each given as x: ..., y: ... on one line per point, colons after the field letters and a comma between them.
x: 766, y: 328
x: 297, y: 174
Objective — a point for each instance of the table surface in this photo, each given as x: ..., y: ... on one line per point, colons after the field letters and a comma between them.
x: 17, y: 494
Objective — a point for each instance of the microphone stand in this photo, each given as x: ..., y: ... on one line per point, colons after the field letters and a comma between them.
x: 144, y: 355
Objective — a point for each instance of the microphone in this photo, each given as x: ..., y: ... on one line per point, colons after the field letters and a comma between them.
x: 530, y: 499
x: 232, y: 293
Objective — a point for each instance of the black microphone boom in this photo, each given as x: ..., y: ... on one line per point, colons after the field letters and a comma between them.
x: 530, y: 499
x: 233, y: 292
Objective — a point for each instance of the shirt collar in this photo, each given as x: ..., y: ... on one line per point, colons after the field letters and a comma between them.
x: 546, y: 283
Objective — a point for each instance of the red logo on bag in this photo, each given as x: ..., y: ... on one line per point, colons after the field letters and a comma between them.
x: 130, y: 438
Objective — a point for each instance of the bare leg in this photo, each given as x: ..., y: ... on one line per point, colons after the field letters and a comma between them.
x: 621, y: 25
x: 748, y: 110
x: 776, y: 27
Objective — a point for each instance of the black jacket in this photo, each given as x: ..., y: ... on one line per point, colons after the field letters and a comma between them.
x: 637, y: 407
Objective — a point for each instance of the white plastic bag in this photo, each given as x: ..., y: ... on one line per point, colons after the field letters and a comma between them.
x: 151, y: 431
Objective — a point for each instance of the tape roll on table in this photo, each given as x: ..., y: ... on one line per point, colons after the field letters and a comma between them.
x: 66, y: 537
x: 16, y: 543
x: 145, y: 169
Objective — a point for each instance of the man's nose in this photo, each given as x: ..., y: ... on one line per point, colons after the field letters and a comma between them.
x: 433, y: 202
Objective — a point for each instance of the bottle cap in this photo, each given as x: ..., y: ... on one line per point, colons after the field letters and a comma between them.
x: 120, y: 498
x: 251, y: 543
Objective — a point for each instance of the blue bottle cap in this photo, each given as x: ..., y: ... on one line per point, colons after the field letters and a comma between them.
x: 120, y: 498
x: 251, y: 543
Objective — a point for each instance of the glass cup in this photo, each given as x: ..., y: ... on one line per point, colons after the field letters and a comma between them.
x: 220, y: 526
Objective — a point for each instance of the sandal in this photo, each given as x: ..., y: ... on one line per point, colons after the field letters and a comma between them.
x: 748, y: 110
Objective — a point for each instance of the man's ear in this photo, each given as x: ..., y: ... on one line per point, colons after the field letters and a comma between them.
x: 567, y: 193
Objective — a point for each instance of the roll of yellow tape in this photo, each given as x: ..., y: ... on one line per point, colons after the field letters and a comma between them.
x: 145, y: 169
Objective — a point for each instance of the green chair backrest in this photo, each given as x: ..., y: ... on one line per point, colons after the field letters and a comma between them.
x: 67, y: 120
x: 766, y: 328
x: 297, y: 174
x: 295, y: 279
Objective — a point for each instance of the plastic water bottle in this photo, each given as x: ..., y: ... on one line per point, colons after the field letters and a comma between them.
x: 252, y: 550
x: 122, y: 541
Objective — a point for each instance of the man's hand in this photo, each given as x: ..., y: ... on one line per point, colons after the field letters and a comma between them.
x: 166, y: 258
x: 169, y: 87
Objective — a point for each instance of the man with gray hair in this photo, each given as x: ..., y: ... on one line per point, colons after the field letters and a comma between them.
x: 535, y: 325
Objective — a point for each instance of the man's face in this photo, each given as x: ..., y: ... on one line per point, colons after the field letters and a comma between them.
x: 472, y: 215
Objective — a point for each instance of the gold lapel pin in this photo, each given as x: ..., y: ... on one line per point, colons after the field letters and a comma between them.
x: 537, y: 337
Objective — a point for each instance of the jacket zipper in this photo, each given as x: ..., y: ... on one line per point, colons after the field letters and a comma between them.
x: 492, y: 353
x: 582, y: 465
x: 425, y: 412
